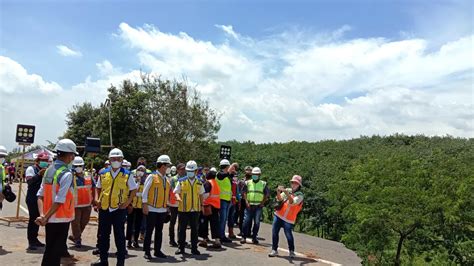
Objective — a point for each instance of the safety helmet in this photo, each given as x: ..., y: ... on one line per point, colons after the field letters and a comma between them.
x: 114, y: 153
x: 191, y: 166
x: 164, y: 159
x: 3, y: 151
x: 256, y: 171
x: 66, y: 145
x: 224, y: 162
x: 78, y: 161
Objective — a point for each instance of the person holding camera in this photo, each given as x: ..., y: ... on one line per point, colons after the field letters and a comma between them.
x: 291, y: 200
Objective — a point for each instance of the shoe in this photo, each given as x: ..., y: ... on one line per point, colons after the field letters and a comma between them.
x: 129, y: 244
x: 31, y: 248
x: 226, y: 240
x: 38, y: 244
x: 135, y: 244
x: 217, y: 244
x: 292, y: 254
x: 173, y: 244
x: 67, y: 255
x: 142, y: 236
x: 195, y: 252
x: 100, y: 263
x: 96, y: 251
x: 203, y: 243
x: 243, y: 240
x: 179, y: 251
x: 272, y: 254
x: 78, y: 244
x: 147, y: 256
x: 160, y: 255
x: 232, y: 236
x: 255, y: 241
x: 71, y: 238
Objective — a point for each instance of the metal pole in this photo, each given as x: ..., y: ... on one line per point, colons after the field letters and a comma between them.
x: 110, y: 128
x: 21, y: 182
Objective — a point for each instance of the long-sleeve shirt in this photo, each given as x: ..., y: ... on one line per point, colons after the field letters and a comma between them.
x: 146, y: 188
x: 64, y: 181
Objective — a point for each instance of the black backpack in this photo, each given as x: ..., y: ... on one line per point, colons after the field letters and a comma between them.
x: 8, y: 193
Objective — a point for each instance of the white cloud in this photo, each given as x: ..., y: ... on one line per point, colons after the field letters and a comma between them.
x: 229, y: 30
x: 66, y: 51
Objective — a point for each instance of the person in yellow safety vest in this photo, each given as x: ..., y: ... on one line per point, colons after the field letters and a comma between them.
x: 189, y: 193
x: 84, y: 199
x: 142, y: 161
x: 173, y: 203
x: 155, y: 199
x: 292, y: 203
x: 116, y: 189
x: 224, y: 180
x: 255, y: 193
x: 135, y: 213
x: 56, y: 203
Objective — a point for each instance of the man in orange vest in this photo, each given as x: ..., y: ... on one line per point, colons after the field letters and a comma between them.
x: 56, y: 202
x: 212, y: 200
x: 292, y: 199
x: 85, y: 193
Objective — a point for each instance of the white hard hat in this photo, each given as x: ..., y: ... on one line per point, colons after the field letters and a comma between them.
x: 78, y: 161
x: 173, y: 168
x: 213, y: 169
x: 256, y: 171
x: 3, y: 151
x: 114, y: 153
x: 191, y: 166
x: 124, y: 162
x: 164, y: 159
x: 66, y: 145
x: 107, y: 162
x: 224, y: 162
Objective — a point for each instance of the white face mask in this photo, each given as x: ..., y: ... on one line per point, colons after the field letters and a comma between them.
x: 78, y: 169
x: 116, y: 164
x: 168, y: 171
x: 2, y: 160
x: 190, y: 174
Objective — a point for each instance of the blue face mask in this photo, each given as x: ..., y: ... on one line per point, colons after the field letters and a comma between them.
x: 255, y: 177
x: 43, y: 164
x: 190, y: 174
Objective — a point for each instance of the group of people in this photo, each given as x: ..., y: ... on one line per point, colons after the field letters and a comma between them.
x: 62, y: 195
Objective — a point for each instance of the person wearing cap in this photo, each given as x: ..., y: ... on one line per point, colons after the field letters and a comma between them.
x: 173, y: 203
x: 189, y: 193
x: 242, y: 202
x: 285, y: 217
x: 224, y: 180
x: 84, y: 199
x: 34, y: 176
x: 116, y: 189
x: 212, y: 199
x: 255, y: 193
x: 135, y: 213
x: 155, y: 199
x: 56, y: 203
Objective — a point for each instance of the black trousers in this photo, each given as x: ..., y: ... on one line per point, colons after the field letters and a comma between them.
x: 174, y: 217
x: 154, y: 221
x: 134, y: 222
x: 32, y: 231
x: 185, y: 218
x: 56, y: 237
x: 107, y: 220
x: 204, y: 224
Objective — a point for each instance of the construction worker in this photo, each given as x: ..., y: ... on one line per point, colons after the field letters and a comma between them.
x: 286, y: 216
x: 255, y: 193
x: 135, y: 213
x: 84, y: 199
x: 189, y: 193
x: 173, y: 204
x: 234, y: 200
x: 126, y: 164
x: 116, y: 189
x: 173, y: 170
x: 56, y: 202
x: 142, y: 161
x: 224, y: 180
x: 3, y: 181
x: 106, y: 165
x: 34, y: 176
x: 212, y: 201
x: 155, y: 199
x: 242, y: 202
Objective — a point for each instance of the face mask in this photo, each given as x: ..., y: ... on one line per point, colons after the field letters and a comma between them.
x: 168, y: 171
x: 255, y: 177
x: 78, y: 170
x: 2, y: 160
x: 43, y: 164
x: 116, y: 164
x: 190, y: 174
x: 140, y: 173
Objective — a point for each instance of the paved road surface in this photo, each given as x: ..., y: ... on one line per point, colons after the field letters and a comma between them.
x: 310, y: 250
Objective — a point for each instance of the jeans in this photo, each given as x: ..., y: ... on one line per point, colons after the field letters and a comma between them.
x: 173, y: 218
x: 134, y: 222
x: 223, y: 214
x: 154, y: 222
x: 254, y: 213
x: 56, y: 237
x: 288, y: 228
x: 108, y: 219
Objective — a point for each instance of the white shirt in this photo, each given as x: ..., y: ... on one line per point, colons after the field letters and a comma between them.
x: 146, y: 188
x: 131, y: 184
x: 65, y: 183
x: 30, y: 172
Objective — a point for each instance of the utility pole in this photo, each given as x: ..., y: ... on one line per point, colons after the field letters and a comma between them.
x: 107, y: 104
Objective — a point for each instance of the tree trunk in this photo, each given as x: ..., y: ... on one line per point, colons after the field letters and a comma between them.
x: 399, y: 250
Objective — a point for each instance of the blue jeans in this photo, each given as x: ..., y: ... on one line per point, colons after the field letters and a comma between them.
x: 224, y: 213
x: 288, y: 228
x: 254, y: 213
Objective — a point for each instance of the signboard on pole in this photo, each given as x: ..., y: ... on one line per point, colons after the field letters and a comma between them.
x: 225, y: 152
x: 25, y: 134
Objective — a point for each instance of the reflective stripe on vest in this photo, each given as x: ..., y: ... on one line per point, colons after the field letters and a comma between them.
x: 255, y: 192
x: 190, y: 200
x: 289, y: 212
x: 214, y: 198
x: 226, y: 188
x: 159, y: 192
x: 84, y: 193
x: 114, y: 191
x: 65, y: 212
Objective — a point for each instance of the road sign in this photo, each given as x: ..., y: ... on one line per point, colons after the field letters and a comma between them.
x: 92, y: 145
x: 25, y: 134
x: 225, y: 152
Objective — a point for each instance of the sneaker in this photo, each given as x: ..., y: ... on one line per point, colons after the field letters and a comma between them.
x: 272, y: 254
x: 217, y: 244
x: 203, y: 243
x: 31, y: 248
x: 232, y: 237
x: 226, y: 240
x: 255, y: 241
x: 243, y: 240
x: 292, y: 254
x: 160, y: 254
x: 179, y: 251
x: 173, y: 244
x: 195, y: 252
x: 147, y: 256
x: 38, y: 244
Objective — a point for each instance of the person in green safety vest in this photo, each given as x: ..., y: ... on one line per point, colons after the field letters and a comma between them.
x: 255, y: 193
x: 3, y: 181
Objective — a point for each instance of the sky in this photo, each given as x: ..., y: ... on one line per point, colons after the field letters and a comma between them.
x: 275, y: 71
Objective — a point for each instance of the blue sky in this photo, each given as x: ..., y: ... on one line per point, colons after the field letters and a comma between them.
x: 338, y: 57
